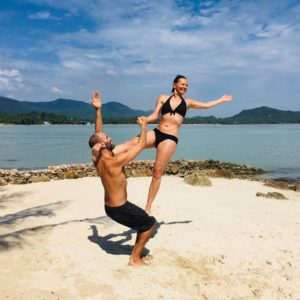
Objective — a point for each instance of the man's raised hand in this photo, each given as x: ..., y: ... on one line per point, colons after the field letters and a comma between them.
x: 96, y: 99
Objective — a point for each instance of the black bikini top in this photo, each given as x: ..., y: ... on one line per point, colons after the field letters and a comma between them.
x: 180, y: 109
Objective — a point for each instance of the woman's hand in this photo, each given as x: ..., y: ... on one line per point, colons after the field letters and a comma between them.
x: 226, y: 98
x: 142, y: 121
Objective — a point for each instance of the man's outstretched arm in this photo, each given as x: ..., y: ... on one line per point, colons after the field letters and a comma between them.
x: 96, y: 102
x: 124, y: 158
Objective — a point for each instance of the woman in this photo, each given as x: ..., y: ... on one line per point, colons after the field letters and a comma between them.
x: 165, y: 136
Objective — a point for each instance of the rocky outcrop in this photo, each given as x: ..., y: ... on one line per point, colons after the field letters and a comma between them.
x: 139, y: 168
x: 284, y: 184
x: 273, y: 195
x: 197, y: 179
x: 279, y: 184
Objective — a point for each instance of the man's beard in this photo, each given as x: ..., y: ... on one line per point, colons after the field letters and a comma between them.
x: 109, y: 146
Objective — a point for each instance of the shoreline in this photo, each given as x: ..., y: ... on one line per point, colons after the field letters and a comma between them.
x: 143, y: 168
x: 137, y: 168
x: 271, y: 174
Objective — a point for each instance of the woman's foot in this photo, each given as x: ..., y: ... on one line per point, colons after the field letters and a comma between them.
x: 148, y: 210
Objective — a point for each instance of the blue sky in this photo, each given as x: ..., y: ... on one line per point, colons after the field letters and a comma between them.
x: 132, y: 50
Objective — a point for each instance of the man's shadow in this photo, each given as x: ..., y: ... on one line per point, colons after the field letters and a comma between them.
x: 117, y: 247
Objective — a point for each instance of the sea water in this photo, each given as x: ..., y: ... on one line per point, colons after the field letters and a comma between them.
x: 273, y: 147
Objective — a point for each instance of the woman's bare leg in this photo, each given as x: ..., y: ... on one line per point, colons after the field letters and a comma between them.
x: 130, y: 143
x: 164, y: 152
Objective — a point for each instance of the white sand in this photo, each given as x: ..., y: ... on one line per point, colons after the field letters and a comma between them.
x: 219, y: 242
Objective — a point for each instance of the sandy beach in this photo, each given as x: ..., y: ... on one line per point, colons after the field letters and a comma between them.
x: 218, y: 242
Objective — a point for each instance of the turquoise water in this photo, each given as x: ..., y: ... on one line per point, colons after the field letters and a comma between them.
x: 274, y: 147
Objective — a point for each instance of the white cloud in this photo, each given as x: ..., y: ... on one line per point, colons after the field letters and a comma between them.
x: 10, y: 73
x: 75, y: 65
x: 9, y: 79
x: 140, y: 46
x: 41, y: 15
x: 56, y: 90
x: 111, y: 72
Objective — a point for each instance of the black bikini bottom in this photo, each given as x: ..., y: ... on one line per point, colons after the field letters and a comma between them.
x: 161, y: 136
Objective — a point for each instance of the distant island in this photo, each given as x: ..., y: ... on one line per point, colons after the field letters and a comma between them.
x: 67, y: 111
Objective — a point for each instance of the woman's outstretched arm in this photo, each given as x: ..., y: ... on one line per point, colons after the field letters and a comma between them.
x: 205, y: 105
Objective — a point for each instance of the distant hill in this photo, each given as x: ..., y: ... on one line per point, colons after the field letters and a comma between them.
x: 115, y: 112
x: 260, y: 115
x: 37, y: 118
x: 70, y: 108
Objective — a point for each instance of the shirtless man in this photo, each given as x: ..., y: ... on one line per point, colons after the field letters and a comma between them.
x: 110, y: 168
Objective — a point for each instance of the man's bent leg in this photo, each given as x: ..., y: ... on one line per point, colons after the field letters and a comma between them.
x: 132, y: 216
x: 141, y: 240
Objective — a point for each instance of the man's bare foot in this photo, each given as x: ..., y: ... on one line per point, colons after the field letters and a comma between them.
x: 147, y: 259
x: 136, y: 262
x: 148, y: 256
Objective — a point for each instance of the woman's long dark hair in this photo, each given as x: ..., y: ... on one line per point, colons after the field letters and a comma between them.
x: 176, y: 80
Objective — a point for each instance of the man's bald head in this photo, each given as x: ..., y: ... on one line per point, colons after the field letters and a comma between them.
x: 95, y: 139
x: 101, y: 138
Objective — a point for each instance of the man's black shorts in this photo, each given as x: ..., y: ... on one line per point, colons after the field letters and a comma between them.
x: 131, y: 216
